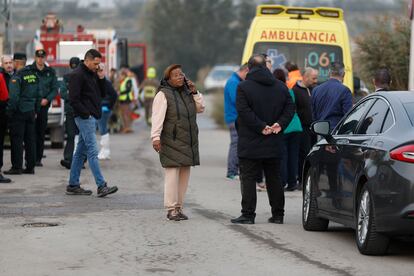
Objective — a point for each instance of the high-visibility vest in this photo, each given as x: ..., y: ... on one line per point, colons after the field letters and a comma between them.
x: 149, y: 91
x: 124, y: 93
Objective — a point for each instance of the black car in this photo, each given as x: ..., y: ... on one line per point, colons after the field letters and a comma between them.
x: 361, y: 174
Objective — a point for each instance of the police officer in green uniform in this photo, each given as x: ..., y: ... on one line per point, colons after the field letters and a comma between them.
x: 48, y: 91
x: 22, y: 106
x: 70, y: 127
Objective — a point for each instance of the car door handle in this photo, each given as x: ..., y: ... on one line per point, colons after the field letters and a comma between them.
x: 342, y: 141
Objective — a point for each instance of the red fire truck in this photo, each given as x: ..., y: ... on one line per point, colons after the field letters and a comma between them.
x: 61, y: 46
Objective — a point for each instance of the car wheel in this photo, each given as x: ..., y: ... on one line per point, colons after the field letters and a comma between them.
x: 310, y: 220
x: 368, y: 240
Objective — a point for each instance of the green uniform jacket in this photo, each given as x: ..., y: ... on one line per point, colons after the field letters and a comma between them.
x: 179, y: 136
x: 64, y: 93
x: 49, y: 86
x: 24, y: 91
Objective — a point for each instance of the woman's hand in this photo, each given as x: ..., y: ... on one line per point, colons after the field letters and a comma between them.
x: 156, y: 145
x: 191, y: 86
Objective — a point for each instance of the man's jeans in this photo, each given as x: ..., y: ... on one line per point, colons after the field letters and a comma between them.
x: 232, y: 158
x: 87, y: 147
x: 103, y: 122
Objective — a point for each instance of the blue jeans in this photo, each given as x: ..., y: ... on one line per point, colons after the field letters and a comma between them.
x: 103, y: 122
x: 290, y: 158
x: 87, y: 147
x: 232, y: 158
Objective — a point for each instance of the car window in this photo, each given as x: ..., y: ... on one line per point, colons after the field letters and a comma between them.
x: 388, y: 122
x: 350, y: 123
x: 374, y: 119
x: 221, y: 74
x: 409, y: 108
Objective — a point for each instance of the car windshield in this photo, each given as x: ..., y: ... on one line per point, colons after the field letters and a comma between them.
x: 304, y: 55
x: 220, y: 74
x: 409, y: 108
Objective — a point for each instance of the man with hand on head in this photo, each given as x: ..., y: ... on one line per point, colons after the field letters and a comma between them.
x: 86, y: 92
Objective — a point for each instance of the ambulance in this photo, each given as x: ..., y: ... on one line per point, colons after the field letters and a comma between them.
x: 309, y: 37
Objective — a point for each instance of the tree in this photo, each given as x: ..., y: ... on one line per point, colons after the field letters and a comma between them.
x: 386, y: 44
x: 193, y: 33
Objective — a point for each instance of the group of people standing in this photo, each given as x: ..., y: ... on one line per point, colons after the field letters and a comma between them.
x: 269, y: 114
x: 27, y: 93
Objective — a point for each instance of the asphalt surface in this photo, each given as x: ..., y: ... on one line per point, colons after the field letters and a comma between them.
x: 127, y: 233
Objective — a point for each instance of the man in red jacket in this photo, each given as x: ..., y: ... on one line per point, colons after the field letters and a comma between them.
x: 4, y: 96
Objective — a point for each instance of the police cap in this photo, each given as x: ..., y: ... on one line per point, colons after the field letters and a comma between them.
x: 40, y: 53
x: 19, y: 56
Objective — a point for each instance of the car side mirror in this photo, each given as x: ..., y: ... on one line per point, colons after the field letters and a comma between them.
x: 323, y: 128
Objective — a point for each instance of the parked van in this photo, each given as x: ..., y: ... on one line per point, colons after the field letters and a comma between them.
x: 309, y: 37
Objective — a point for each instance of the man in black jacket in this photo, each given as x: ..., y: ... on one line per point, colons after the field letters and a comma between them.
x: 382, y: 80
x: 86, y: 93
x: 70, y: 126
x: 265, y: 108
x: 303, y: 92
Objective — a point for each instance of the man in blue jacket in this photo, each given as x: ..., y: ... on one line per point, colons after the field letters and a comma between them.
x: 332, y: 100
x: 230, y: 116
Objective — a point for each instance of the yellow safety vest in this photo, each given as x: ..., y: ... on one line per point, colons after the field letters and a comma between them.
x: 149, y: 91
x: 124, y: 94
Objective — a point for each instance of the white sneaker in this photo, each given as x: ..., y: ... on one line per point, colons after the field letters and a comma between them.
x: 233, y: 177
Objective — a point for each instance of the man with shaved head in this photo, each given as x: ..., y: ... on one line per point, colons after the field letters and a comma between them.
x: 5, y: 74
x: 7, y: 68
x: 303, y: 91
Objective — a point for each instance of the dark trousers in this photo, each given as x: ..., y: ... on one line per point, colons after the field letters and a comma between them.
x: 22, y: 130
x: 306, y: 143
x: 41, y: 125
x: 249, y: 168
x: 3, y: 129
x: 290, y: 158
x: 71, y: 131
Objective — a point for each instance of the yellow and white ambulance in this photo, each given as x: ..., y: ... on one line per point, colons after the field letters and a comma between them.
x: 309, y: 37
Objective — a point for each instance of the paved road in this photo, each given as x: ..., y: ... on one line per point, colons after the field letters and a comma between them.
x: 127, y: 233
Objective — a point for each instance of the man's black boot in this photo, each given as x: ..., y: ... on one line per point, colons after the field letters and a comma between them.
x: 65, y: 163
x: 28, y: 171
x: 276, y: 219
x: 13, y: 171
x: 242, y: 220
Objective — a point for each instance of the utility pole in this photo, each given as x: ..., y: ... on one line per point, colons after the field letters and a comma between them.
x: 411, y: 72
x: 7, y: 14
